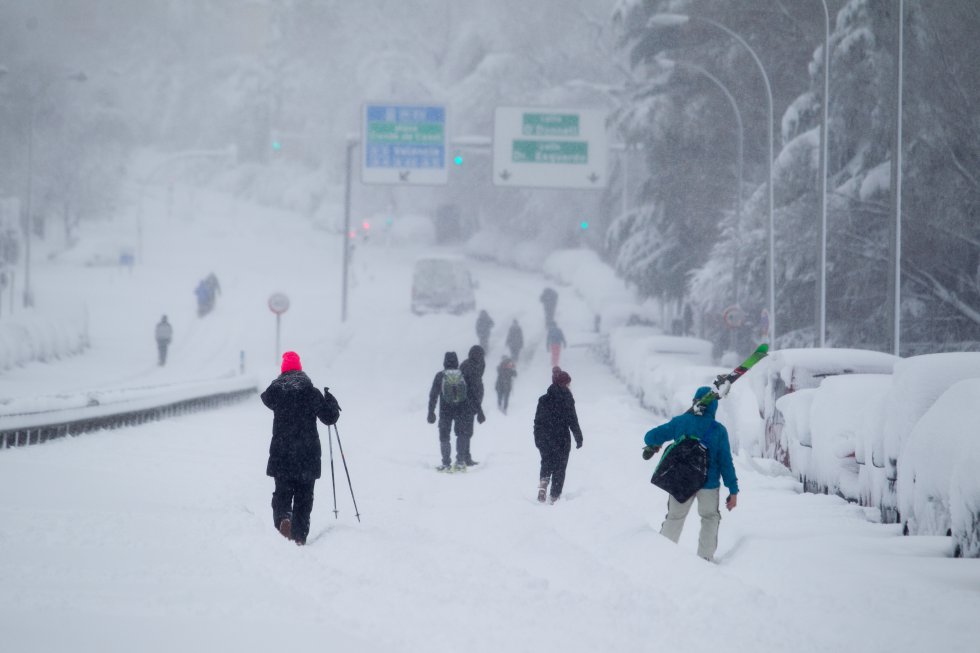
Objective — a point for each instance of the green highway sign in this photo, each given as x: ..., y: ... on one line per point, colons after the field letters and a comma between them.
x: 550, y: 147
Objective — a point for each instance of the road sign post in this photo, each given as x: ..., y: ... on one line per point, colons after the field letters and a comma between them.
x: 550, y: 147
x: 278, y: 304
x: 404, y: 144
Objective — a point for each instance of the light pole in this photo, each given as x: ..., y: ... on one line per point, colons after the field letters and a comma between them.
x: 895, y: 258
x: 32, y: 108
x: 669, y: 20
x: 822, y: 237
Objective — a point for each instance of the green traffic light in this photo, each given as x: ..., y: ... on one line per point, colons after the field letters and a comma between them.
x: 584, y: 225
x: 276, y: 145
x: 458, y: 159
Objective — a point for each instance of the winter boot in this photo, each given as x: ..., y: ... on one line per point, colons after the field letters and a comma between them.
x: 470, y: 462
x: 445, y: 467
x: 286, y: 528
x: 552, y: 500
x: 542, y: 490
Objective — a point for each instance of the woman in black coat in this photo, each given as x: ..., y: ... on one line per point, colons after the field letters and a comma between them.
x: 553, y: 421
x: 294, y: 453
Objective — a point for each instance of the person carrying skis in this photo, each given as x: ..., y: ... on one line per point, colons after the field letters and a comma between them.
x: 505, y: 382
x: 554, y: 419
x: 164, y: 334
x: 450, y: 391
x: 714, y: 437
x: 515, y: 341
x: 294, y: 453
x: 555, y: 341
x: 472, y: 369
x: 483, y: 326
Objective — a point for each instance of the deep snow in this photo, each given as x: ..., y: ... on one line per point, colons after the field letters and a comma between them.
x: 159, y: 538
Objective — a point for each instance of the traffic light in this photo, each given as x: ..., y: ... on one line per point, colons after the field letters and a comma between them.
x: 458, y: 159
x: 584, y: 225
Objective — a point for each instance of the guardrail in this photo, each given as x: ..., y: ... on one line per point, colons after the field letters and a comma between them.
x: 44, y: 426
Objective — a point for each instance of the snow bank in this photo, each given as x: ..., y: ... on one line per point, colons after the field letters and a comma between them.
x: 593, y: 281
x: 495, y: 246
x: 28, y: 337
x: 937, y: 471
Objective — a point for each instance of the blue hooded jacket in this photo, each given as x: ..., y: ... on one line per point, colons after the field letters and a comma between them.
x: 711, y: 433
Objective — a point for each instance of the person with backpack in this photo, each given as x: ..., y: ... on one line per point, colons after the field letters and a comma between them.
x: 554, y: 342
x: 515, y: 341
x: 472, y: 369
x: 450, y: 391
x: 505, y: 382
x: 713, y: 435
x: 294, y: 453
x: 554, y: 419
x: 164, y: 334
x: 483, y: 326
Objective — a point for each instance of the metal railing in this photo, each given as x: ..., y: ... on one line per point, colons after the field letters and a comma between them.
x: 19, y: 436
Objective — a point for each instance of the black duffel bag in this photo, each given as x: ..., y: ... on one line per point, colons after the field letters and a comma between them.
x: 683, y: 468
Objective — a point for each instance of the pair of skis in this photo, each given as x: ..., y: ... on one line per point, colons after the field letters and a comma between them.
x: 724, y: 381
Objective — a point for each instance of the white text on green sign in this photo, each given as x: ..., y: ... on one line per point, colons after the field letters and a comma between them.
x: 550, y: 124
x: 565, y: 152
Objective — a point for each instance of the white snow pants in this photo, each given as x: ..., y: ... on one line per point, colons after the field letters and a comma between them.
x: 710, y: 518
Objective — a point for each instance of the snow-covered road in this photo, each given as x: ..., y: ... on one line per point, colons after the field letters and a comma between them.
x: 159, y: 538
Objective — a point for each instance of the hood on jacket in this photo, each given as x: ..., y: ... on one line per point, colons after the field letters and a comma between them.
x: 450, y: 361
x: 477, y: 355
x: 712, y: 408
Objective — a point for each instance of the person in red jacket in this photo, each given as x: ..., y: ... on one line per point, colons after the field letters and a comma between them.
x: 294, y: 453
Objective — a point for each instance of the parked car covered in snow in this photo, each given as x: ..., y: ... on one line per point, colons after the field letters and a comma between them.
x: 789, y: 370
x: 442, y: 285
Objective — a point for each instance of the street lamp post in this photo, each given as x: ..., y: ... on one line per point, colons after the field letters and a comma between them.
x: 667, y: 20
x: 822, y: 275
x: 895, y: 253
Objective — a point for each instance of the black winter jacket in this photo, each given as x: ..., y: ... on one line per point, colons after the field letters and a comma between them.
x: 294, y: 452
x: 554, y: 418
x: 449, y: 362
x: 472, y: 369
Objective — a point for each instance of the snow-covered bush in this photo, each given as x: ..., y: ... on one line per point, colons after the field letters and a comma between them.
x: 591, y: 279
x: 934, y: 478
x: 496, y: 246
x: 25, y: 338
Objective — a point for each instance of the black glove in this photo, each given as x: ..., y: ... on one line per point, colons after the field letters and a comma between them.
x: 480, y: 417
x: 649, y: 452
x: 432, y: 418
x: 578, y: 444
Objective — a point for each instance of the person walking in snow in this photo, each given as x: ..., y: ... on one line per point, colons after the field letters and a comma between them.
x: 714, y: 437
x: 505, y: 382
x: 554, y: 420
x: 554, y: 342
x: 450, y: 391
x: 483, y: 326
x: 549, y: 298
x: 472, y: 369
x: 294, y: 452
x: 515, y: 341
x: 164, y: 333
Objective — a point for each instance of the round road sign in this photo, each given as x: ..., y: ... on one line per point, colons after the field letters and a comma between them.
x: 278, y: 303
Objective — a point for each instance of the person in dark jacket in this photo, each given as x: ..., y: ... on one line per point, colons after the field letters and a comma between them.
x: 515, y: 341
x: 505, y: 382
x: 555, y: 342
x: 554, y: 419
x: 483, y: 326
x: 294, y: 453
x: 450, y: 390
x: 164, y: 334
x: 714, y: 437
x: 472, y: 369
x: 549, y: 298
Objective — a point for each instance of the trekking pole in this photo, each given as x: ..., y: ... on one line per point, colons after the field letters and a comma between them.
x: 333, y: 484
x: 346, y: 471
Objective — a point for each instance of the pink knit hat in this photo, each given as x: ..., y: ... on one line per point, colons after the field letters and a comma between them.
x: 290, y: 362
